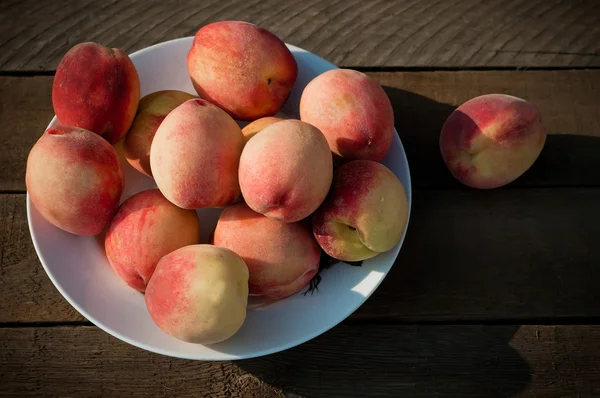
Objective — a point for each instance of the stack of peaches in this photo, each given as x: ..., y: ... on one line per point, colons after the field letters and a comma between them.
x: 289, y: 189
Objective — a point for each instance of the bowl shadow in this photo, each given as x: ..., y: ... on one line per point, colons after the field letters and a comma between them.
x: 409, y: 360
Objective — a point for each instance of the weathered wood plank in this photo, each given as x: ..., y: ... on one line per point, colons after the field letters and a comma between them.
x: 421, y: 361
x: 422, y: 101
x: 25, y: 111
x: 567, y: 101
x: 509, y: 254
x: 463, y: 33
x: 469, y: 255
x: 96, y: 364
x: 26, y: 292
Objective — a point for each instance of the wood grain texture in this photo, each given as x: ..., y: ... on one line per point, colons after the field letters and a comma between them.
x: 567, y: 101
x: 461, y: 33
x: 379, y: 361
x: 25, y: 111
x: 518, y: 254
x: 26, y: 292
x: 422, y: 101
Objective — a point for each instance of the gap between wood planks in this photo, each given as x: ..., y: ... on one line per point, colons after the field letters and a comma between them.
x: 562, y: 321
x: 30, y: 73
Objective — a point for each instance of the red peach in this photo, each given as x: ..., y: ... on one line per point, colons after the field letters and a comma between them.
x: 353, y: 112
x: 243, y: 68
x: 285, y: 170
x: 281, y: 257
x: 364, y: 214
x: 146, y: 228
x: 74, y: 179
x: 490, y: 140
x: 98, y: 89
x: 199, y: 294
x: 195, y: 156
x: 151, y: 112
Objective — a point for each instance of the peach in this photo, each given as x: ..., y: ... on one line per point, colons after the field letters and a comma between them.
x: 146, y: 228
x: 285, y: 170
x: 491, y: 140
x: 199, y: 294
x: 281, y: 257
x: 74, y: 179
x: 195, y: 155
x: 241, y: 67
x: 353, y: 112
x: 251, y: 129
x: 365, y: 213
x: 152, y: 110
x: 98, y: 89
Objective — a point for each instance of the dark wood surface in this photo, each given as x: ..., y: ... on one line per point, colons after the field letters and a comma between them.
x: 512, y: 254
x: 568, y: 101
x: 434, y: 33
x: 495, y: 293
x: 348, y: 361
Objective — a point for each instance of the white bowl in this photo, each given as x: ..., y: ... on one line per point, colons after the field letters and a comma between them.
x: 78, y: 267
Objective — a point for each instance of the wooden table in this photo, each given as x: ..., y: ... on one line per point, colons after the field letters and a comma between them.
x: 494, y: 293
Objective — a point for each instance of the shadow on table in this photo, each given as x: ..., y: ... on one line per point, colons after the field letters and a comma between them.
x: 416, y: 115
x: 387, y: 360
x: 569, y: 158
x: 566, y: 160
x: 419, y: 120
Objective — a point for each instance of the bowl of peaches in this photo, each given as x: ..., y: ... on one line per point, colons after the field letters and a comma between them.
x: 216, y: 197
